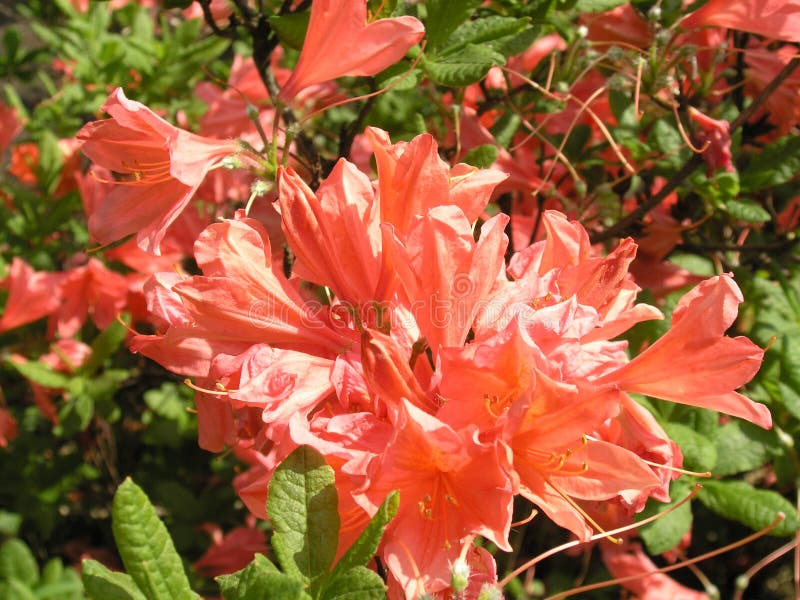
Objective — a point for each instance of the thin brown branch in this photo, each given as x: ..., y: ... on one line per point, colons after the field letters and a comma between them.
x: 628, y: 223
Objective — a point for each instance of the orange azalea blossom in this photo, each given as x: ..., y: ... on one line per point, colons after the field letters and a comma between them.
x: 159, y: 167
x: 8, y: 427
x: 425, y: 363
x: 340, y: 42
x: 776, y: 19
x: 31, y: 294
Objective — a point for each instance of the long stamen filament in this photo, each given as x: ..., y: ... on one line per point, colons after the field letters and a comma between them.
x: 537, y: 559
x: 746, y: 540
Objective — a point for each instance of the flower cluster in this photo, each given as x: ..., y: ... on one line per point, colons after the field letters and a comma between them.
x: 432, y: 366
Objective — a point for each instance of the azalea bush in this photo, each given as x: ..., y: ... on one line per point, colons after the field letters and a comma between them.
x: 443, y: 299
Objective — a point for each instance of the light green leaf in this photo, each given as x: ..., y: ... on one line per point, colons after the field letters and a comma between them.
x: 17, y: 562
x: 595, y: 6
x: 741, y: 502
x: 105, y: 345
x: 358, y: 583
x: 41, y: 373
x: 746, y: 210
x: 145, y: 546
x: 302, y: 506
x: 19, y: 591
x: 104, y: 584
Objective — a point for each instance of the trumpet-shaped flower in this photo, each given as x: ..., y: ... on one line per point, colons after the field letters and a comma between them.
x: 159, y: 167
x: 340, y: 42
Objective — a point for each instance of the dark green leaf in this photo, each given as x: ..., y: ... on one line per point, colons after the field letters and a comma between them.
x: 103, y: 584
x: 145, y: 546
x: 666, y: 532
x: 481, y: 156
x: 291, y: 28
x: 358, y: 583
x: 483, y: 31
x: 741, y: 446
x: 775, y: 164
x: 699, y: 453
x: 463, y: 68
x: 249, y: 583
x: 302, y: 506
x: 365, y: 547
x: 444, y: 16
x: 741, y: 502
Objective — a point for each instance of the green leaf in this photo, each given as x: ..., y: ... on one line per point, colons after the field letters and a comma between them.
x: 595, y: 6
x: 9, y: 523
x: 356, y: 584
x: 666, y: 532
x: 741, y: 502
x: 103, y: 584
x: 741, y: 446
x: 444, y: 17
x: 52, y: 571
x: 50, y: 162
x: 145, y: 546
x: 42, y: 374
x: 484, y: 31
x: 746, y: 210
x: 249, y: 583
x: 105, y: 345
x: 19, y: 591
x: 365, y: 547
x: 699, y: 453
x: 291, y: 28
x: 398, y: 76
x: 773, y: 165
x: 17, y: 562
x: 463, y: 68
x: 75, y: 415
x: 302, y: 506
x: 481, y: 156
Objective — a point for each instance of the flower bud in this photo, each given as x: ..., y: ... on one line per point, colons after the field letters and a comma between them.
x: 459, y: 575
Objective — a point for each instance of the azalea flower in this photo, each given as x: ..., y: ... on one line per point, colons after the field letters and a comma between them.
x: 776, y: 19
x: 433, y: 366
x: 340, y: 42
x: 8, y: 427
x: 159, y: 168
x: 31, y: 294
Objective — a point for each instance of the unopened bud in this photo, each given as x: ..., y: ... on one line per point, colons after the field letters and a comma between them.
x: 459, y: 575
x: 654, y: 14
x: 232, y: 162
x: 260, y: 187
x: 489, y: 592
x: 582, y: 31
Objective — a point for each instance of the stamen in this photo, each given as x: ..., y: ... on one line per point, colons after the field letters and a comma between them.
x: 685, y: 136
x: 196, y: 388
x: 583, y: 513
x: 527, y: 519
x: 746, y: 540
x: 537, y: 559
x: 676, y: 469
